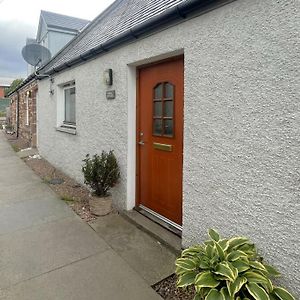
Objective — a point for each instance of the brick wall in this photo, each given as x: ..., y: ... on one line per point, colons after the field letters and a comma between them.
x: 27, y: 120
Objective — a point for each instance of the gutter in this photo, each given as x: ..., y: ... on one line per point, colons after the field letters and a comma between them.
x: 24, y: 82
x: 176, y: 13
x: 18, y: 113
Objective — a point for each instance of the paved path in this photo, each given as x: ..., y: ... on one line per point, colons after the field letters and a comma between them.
x: 47, y: 252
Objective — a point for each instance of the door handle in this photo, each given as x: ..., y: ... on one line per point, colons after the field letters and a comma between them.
x: 141, y: 143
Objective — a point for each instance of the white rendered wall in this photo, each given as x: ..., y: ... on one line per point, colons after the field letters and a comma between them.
x: 241, y: 126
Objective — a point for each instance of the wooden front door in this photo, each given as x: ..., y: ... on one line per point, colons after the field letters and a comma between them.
x: 160, y: 138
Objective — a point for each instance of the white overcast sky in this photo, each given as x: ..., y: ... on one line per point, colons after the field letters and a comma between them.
x: 19, y: 20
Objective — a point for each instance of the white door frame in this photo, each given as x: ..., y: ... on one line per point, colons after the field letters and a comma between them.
x: 131, y: 122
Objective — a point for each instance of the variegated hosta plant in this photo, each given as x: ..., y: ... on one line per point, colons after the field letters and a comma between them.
x: 227, y: 269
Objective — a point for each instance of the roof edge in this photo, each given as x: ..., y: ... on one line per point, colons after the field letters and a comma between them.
x: 62, y: 15
x: 176, y: 13
x: 23, y: 83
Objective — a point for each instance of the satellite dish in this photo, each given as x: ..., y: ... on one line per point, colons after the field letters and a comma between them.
x: 36, y: 54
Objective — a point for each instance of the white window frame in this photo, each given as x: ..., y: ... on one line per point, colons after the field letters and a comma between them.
x: 65, y: 123
x: 61, y: 124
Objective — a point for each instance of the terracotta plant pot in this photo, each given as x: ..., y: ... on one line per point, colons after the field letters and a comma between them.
x: 100, y: 206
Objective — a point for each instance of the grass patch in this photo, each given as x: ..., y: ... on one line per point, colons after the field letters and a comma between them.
x: 15, y: 148
x: 47, y: 179
x: 67, y: 198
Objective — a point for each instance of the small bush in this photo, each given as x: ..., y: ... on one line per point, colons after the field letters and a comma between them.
x: 101, y: 173
x: 228, y: 269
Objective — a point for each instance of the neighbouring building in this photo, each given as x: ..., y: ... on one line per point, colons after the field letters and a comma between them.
x: 200, y: 102
x: 2, y: 90
x: 54, y: 32
x: 4, y: 83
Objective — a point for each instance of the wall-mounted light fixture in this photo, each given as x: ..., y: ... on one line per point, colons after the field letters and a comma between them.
x: 108, y: 77
x: 28, y: 94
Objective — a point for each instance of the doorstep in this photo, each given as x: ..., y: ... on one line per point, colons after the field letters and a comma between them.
x: 166, y: 237
x: 152, y: 260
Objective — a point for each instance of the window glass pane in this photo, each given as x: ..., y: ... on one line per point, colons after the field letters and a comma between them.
x: 168, y: 110
x: 169, y: 90
x: 157, y: 109
x: 168, y: 127
x: 70, y: 111
x: 158, y: 91
x: 157, y: 127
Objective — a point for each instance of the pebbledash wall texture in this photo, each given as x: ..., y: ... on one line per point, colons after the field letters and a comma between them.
x: 241, y: 125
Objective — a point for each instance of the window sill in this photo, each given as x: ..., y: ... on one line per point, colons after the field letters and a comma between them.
x: 69, y: 130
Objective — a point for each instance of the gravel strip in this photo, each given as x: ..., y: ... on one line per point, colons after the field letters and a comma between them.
x: 168, y: 291
x: 69, y: 190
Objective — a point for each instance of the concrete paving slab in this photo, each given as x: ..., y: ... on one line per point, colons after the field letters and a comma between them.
x: 4, y: 145
x: 47, y: 252
x: 21, y: 215
x: 9, y: 159
x: 18, y: 174
x: 24, y: 192
x: 28, y: 253
x: 98, y: 277
x: 6, y: 153
x: 147, y: 256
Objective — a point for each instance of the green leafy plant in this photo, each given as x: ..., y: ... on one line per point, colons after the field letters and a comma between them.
x: 101, y: 172
x: 228, y: 269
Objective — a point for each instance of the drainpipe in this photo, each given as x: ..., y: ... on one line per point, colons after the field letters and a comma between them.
x: 17, y: 116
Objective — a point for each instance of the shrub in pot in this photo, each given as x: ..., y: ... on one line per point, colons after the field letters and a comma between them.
x: 228, y: 269
x: 101, y: 173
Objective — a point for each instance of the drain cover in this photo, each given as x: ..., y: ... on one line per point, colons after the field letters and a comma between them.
x: 56, y: 181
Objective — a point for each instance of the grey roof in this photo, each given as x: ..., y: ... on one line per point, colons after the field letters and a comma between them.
x: 118, y: 18
x: 63, y: 21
